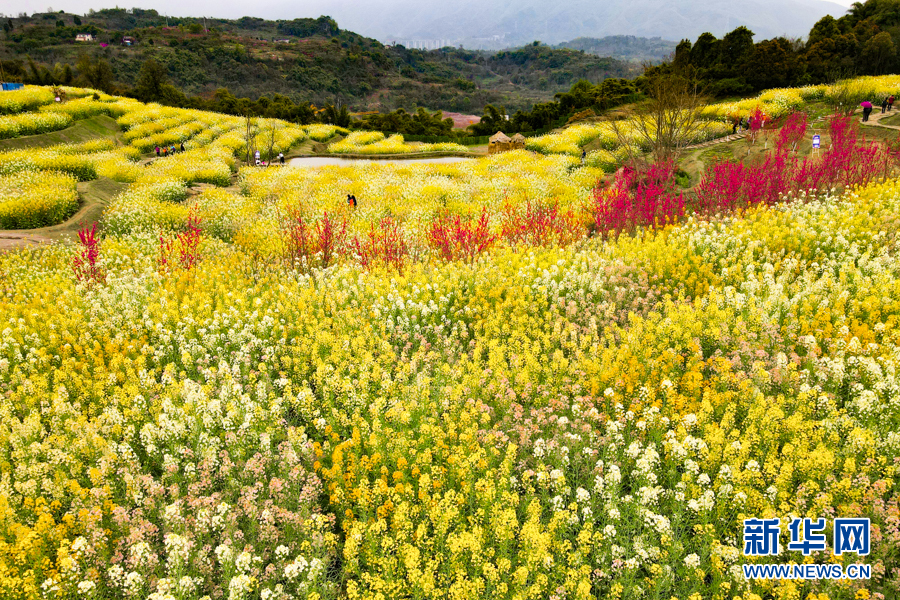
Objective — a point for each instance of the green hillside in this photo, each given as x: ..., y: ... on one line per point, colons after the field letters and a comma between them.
x: 306, y: 60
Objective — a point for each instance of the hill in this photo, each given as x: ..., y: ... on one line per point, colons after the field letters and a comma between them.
x: 503, y: 23
x: 310, y: 60
x: 862, y: 42
x: 624, y: 47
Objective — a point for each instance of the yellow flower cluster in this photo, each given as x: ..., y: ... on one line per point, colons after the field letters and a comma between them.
x: 30, y: 199
x: 778, y: 102
x: 374, y: 142
x: 32, y: 123
x: 323, y: 133
x: 571, y: 139
x: 354, y: 141
x: 86, y: 107
x: 31, y: 97
x: 85, y: 161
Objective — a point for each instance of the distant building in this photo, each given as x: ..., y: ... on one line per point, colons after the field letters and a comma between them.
x: 84, y: 37
x: 282, y: 41
x: 128, y: 41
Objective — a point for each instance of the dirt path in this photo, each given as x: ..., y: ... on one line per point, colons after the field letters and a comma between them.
x: 877, y: 116
x: 93, y: 196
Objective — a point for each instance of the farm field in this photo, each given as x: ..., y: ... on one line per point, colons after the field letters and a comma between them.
x: 496, y: 378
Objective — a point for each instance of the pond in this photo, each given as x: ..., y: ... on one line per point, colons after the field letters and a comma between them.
x: 325, y: 161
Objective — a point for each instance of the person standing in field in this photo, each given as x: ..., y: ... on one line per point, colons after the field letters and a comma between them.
x: 867, y: 109
x: 182, y: 146
x: 583, y: 155
x: 157, y: 152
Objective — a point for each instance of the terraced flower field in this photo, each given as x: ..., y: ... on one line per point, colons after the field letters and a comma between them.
x: 462, y: 388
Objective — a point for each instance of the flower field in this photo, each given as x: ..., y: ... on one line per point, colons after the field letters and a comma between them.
x: 211, y: 141
x: 777, y: 103
x: 584, y: 421
x: 491, y: 379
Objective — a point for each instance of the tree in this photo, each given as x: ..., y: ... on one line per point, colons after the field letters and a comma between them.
x: 251, y: 128
x: 151, y: 81
x: 879, y: 53
x: 273, y: 127
x: 96, y: 74
x: 491, y: 122
x: 772, y: 64
x: 705, y: 51
x: 736, y: 47
x: 669, y: 120
x: 825, y: 28
x: 337, y: 116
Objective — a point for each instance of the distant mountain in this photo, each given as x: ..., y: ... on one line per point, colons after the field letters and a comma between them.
x: 494, y: 24
x: 306, y: 60
x: 624, y: 47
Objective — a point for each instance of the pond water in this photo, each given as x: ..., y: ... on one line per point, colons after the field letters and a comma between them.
x: 325, y: 161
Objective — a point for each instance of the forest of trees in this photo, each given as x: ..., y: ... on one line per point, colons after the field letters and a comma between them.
x: 862, y: 42
x: 582, y: 96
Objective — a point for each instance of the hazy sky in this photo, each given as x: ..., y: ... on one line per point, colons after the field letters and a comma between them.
x: 389, y: 19
x: 272, y: 9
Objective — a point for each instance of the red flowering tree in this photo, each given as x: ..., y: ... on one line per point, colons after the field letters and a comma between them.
x: 184, y: 250
x: 455, y: 239
x: 638, y: 199
x: 85, y: 262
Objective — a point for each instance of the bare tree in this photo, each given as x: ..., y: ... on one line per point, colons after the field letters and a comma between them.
x: 251, y: 128
x: 273, y: 127
x: 840, y: 94
x: 669, y: 121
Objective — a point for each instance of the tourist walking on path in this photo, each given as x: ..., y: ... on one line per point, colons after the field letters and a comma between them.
x: 867, y: 109
x: 883, y: 105
x: 281, y: 157
x: 157, y: 152
x: 890, y: 102
x: 583, y: 155
x: 182, y: 146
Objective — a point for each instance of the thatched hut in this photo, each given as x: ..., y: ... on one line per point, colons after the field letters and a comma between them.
x: 499, y: 142
x: 517, y: 142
